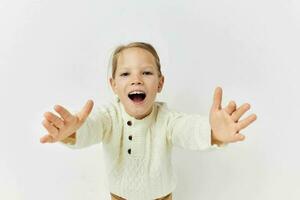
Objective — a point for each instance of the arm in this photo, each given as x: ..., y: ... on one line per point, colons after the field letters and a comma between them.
x: 189, y: 131
x: 76, y: 131
x: 94, y: 130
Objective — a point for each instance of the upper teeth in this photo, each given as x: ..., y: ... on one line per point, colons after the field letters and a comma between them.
x: 136, y: 92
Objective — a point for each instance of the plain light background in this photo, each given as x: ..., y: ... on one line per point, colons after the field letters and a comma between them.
x: 57, y: 52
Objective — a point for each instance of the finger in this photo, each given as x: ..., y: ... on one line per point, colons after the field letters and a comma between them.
x: 54, y: 119
x: 238, y: 137
x: 64, y: 113
x: 246, y: 122
x: 231, y: 107
x: 50, y: 128
x: 85, y: 111
x: 240, y: 111
x: 47, y: 139
x: 217, y: 99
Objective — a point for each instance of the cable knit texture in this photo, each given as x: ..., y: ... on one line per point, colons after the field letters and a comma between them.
x: 138, y: 152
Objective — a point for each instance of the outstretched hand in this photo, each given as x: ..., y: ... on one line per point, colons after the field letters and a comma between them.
x: 59, y: 128
x: 225, y: 122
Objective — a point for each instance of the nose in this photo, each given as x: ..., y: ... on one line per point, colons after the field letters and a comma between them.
x: 137, y: 80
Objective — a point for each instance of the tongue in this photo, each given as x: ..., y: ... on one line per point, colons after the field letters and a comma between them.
x: 137, y: 98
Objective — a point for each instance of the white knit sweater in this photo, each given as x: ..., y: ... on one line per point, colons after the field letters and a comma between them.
x: 138, y: 152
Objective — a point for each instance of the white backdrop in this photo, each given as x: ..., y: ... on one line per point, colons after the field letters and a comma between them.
x: 57, y: 52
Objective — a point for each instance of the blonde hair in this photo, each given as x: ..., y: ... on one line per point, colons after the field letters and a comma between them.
x: 146, y: 46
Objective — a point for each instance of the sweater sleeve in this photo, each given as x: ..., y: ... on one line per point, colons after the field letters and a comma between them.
x: 94, y: 130
x: 190, y: 131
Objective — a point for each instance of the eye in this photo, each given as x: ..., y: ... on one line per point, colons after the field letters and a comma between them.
x: 147, y: 73
x: 124, y: 74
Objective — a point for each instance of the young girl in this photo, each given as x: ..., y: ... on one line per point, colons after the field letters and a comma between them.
x: 137, y: 132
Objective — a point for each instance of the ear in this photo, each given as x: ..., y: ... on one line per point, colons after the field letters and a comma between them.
x: 113, y: 84
x: 161, y: 83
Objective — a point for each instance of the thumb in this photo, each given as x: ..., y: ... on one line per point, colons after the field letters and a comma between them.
x: 47, y: 138
x: 86, y: 110
x: 239, y: 137
x: 217, y: 100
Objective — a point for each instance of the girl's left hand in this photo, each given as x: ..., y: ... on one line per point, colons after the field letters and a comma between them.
x: 224, y: 123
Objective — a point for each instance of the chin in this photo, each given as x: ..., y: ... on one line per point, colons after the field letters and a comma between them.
x: 138, y: 112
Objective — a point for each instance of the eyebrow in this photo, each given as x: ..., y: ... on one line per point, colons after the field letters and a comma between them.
x: 145, y: 67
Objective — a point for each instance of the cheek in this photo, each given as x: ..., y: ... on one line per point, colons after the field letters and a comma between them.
x: 120, y: 85
x: 154, y: 88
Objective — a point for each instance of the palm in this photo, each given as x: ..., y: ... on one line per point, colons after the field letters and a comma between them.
x: 224, y: 122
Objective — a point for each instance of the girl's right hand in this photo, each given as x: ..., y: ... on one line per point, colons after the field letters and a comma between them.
x: 59, y: 128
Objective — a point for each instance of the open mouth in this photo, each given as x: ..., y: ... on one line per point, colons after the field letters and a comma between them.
x: 137, y: 96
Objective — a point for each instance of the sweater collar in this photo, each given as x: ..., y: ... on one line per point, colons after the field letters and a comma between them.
x: 146, y: 121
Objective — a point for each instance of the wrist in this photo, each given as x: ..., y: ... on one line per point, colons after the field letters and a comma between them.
x: 73, y: 135
x: 214, y: 140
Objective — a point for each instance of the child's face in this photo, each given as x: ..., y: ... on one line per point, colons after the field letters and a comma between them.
x: 137, y: 81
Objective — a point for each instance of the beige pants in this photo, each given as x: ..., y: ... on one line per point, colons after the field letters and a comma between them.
x: 115, y: 197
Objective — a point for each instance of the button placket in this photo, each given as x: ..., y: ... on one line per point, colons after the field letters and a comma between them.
x: 129, y: 123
